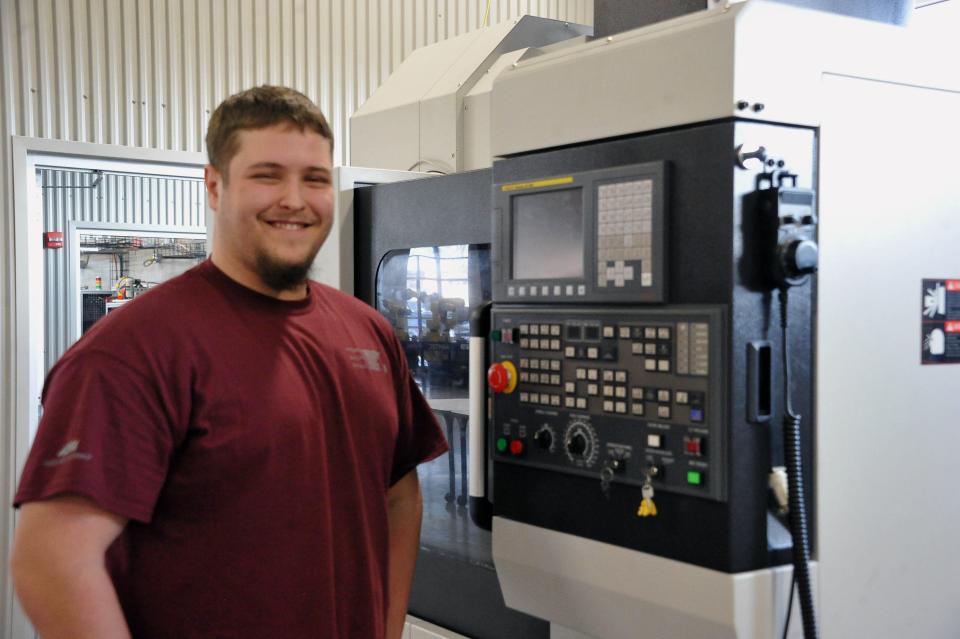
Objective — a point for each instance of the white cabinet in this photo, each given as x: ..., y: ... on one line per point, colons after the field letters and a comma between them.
x: 419, y: 629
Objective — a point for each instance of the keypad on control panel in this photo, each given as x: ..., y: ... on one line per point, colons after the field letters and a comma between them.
x: 621, y: 373
x: 654, y: 345
x: 625, y: 233
x: 540, y: 337
x: 623, y: 376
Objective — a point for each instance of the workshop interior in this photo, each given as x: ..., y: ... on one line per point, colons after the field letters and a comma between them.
x: 682, y: 287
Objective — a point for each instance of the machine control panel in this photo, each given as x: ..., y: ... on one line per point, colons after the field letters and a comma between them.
x: 637, y: 391
x: 587, y: 237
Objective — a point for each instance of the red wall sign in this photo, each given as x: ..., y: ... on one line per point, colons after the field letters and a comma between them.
x: 53, y: 240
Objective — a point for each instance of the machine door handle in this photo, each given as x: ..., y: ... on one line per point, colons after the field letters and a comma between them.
x: 759, y: 380
x: 481, y: 508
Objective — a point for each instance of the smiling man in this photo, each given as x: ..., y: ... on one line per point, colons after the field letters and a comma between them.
x: 233, y: 454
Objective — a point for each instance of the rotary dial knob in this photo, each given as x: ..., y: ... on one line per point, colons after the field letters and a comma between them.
x: 577, y: 444
x: 544, y: 438
x: 580, y: 442
x: 802, y: 258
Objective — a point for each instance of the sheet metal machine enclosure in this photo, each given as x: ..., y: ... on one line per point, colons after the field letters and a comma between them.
x: 662, y: 375
x: 704, y: 284
x: 454, y: 584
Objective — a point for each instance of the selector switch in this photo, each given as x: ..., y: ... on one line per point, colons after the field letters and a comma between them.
x: 580, y: 443
x: 577, y: 445
x: 544, y: 438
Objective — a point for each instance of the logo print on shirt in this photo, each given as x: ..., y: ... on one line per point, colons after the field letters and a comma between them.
x: 68, y: 453
x: 71, y: 447
x: 366, y: 359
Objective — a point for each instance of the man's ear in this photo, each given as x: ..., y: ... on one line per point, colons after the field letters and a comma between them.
x: 212, y: 179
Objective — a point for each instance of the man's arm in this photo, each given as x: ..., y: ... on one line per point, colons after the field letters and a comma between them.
x: 59, y: 572
x: 404, y: 511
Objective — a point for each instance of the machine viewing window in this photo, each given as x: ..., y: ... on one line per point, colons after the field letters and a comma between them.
x: 427, y: 293
x: 548, y: 235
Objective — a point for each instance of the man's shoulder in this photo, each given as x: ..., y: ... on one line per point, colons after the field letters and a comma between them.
x: 181, y: 290
x: 348, y: 306
x: 151, y: 329
x: 330, y: 295
x: 167, y: 306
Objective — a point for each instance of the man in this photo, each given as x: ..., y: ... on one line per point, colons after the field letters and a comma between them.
x: 234, y: 453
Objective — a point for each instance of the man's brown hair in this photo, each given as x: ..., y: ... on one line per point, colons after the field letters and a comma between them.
x: 258, y: 108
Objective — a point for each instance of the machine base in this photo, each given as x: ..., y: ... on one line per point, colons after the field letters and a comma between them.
x: 612, y: 592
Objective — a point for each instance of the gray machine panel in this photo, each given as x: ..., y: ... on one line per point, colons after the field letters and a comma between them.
x: 585, y: 237
x: 644, y: 387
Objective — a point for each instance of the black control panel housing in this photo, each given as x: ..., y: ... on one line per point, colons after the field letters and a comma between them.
x: 710, y: 277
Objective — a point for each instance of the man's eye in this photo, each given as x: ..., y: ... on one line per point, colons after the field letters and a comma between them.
x: 264, y: 176
x: 318, y: 179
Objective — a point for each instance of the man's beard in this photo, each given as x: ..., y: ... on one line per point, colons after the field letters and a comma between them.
x: 281, y: 276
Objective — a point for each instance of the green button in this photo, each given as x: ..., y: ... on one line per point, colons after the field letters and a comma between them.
x: 495, y: 335
x: 502, y: 444
x: 694, y: 477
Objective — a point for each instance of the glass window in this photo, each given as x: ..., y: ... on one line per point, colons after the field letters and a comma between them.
x: 428, y: 294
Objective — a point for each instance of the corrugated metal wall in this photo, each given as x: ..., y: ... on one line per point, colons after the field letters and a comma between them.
x: 148, y: 73
x: 119, y: 199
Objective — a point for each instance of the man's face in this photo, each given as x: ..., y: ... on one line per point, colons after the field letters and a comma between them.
x: 274, y: 209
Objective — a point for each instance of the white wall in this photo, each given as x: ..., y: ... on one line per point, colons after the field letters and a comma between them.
x: 147, y: 73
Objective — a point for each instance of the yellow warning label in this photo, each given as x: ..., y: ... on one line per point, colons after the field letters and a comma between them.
x: 538, y: 184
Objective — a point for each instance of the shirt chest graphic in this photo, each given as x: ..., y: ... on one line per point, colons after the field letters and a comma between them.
x: 366, y: 359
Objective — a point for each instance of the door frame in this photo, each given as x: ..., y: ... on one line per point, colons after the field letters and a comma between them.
x: 28, y: 308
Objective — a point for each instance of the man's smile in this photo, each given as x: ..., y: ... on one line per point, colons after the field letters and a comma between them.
x: 288, y: 225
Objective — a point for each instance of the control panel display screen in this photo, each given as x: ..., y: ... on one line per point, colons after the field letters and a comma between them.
x: 584, y: 237
x: 548, y: 235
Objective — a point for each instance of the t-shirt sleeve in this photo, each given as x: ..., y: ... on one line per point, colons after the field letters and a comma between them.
x: 105, y: 434
x: 419, y: 436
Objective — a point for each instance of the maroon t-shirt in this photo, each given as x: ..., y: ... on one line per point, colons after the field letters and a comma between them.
x: 251, y: 443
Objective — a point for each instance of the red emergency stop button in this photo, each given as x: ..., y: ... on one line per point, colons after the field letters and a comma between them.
x: 502, y: 377
x: 516, y: 447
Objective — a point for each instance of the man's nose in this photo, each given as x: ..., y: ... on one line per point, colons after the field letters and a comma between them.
x: 292, y: 195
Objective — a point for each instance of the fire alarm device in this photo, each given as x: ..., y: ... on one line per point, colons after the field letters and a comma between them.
x: 53, y: 240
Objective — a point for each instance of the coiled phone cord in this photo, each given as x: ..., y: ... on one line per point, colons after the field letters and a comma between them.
x: 798, y: 513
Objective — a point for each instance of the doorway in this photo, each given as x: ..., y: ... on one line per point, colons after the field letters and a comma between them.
x: 30, y: 158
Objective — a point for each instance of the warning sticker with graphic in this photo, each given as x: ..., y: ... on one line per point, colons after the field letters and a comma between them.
x: 940, y: 325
